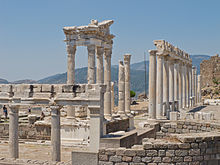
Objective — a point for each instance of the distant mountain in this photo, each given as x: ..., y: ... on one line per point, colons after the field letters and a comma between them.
x: 26, y: 81
x: 3, y: 81
x: 137, y: 75
x: 140, y: 65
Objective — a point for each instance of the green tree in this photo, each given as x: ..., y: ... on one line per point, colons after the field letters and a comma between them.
x: 132, y: 93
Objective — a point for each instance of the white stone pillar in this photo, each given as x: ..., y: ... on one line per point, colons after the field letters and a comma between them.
x: 55, y: 133
x: 159, y: 88
x: 166, y: 85
x: 127, y: 59
x: 193, y: 84
x: 13, y: 131
x: 176, y: 83
x: 107, y: 82
x: 196, y: 88
x: 71, y: 50
x: 91, y: 64
x: 199, y: 88
x: 99, y: 68
x: 171, y: 83
x: 180, y: 75
x: 95, y: 129
x: 112, y: 96
x: 187, y: 87
x: 184, y: 85
x: 190, y: 85
x: 121, y: 90
x: 152, y: 84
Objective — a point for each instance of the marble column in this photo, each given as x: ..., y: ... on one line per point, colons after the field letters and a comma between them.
x: 71, y: 50
x: 199, y: 88
x: 107, y: 82
x: 166, y: 85
x: 176, y: 83
x: 184, y: 85
x: 193, y: 86
x: 187, y: 87
x: 180, y: 86
x: 196, y: 88
x: 159, y: 88
x: 152, y: 84
x: 127, y: 59
x: 91, y: 64
x: 55, y: 133
x: 112, y: 96
x: 121, y: 90
x: 190, y: 84
x: 99, y: 69
x: 13, y: 131
x: 171, y: 83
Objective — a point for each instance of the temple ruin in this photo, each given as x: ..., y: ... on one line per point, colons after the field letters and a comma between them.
x: 171, y: 131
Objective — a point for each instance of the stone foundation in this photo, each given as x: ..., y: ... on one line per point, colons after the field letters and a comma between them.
x: 194, y: 149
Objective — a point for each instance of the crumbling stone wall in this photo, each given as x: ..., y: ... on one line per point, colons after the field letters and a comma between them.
x: 210, y: 69
x: 26, y: 131
x: 194, y: 149
x: 181, y: 127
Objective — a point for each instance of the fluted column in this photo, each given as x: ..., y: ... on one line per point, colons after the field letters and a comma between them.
x: 193, y: 86
x: 159, y: 88
x: 176, y: 82
x: 127, y: 59
x: 55, y: 133
x: 71, y: 50
x: 171, y: 83
x: 99, y: 68
x: 196, y: 88
x: 121, y: 90
x: 166, y: 84
x: 152, y: 84
x: 180, y: 75
x: 107, y: 82
x: 187, y: 87
x: 91, y: 64
x: 112, y: 96
x: 13, y: 131
x: 184, y: 85
x: 199, y: 88
x: 190, y: 85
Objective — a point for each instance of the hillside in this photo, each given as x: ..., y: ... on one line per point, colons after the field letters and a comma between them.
x: 3, y: 81
x: 137, y: 75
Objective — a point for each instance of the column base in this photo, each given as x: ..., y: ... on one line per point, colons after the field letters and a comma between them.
x: 108, y: 117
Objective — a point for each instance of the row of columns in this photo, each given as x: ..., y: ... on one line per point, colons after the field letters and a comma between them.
x: 55, y: 132
x: 172, y: 85
x: 103, y: 74
x: 124, y: 99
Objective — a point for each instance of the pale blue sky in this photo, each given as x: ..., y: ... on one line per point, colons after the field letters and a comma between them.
x: 31, y: 36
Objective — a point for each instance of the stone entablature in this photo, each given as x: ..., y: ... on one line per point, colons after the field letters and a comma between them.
x: 96, y: 33
x: 63, y: 94
x: 166, y: 49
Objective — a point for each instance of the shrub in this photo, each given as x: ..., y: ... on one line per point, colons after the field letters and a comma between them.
x: 132, y: 93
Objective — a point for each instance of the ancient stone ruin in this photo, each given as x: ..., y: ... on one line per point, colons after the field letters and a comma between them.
x: 172, y: 131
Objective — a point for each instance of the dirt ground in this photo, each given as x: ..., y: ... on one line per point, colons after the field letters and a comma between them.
x: 40, y: 152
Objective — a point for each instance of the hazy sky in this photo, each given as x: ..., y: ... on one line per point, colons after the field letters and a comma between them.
x: 31, y: 36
